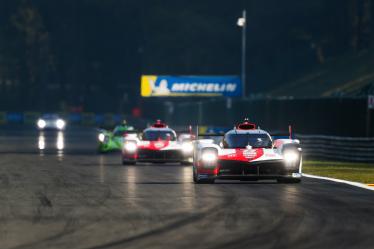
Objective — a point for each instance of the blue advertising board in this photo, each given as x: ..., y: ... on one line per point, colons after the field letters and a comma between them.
x: 169, y: 86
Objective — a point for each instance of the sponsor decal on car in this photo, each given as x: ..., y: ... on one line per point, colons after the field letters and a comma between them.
x: 244, y: 155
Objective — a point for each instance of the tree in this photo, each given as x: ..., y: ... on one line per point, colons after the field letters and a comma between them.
x: 33, y: 55
x: 361, y: 26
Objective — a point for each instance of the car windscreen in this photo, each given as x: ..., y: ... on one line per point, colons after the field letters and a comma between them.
x: 123, y: 130
x: 154, y: 135
x: 50, y: 116
x: 120, y: 133
x: 243, y: 140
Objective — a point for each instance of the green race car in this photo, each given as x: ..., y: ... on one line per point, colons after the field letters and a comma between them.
x: 113, y: 140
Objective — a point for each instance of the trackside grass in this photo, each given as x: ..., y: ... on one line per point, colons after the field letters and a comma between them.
x: 356, y: 172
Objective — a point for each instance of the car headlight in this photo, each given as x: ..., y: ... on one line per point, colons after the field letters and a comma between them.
x: 101, y: 137
x: 209, y: 157
x: 41, y: 123
x: 291, y: 156
x: 187, y: 147
x: 60, y: 124
x: 130, y: 146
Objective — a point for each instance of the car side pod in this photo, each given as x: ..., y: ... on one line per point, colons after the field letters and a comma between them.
x: 129, y: 152
x: 289, y: 180
x: 206, y: 169
x: 293, y: 156
x: 128, y: 159
x: 203, y: 178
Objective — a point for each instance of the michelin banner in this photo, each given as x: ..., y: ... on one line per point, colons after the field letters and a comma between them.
x: 169, y: 86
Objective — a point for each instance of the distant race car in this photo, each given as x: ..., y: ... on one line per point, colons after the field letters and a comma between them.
x: 113, y: 140
x: 157, y: 143
x: 50, y: 122
x: 247, y: 153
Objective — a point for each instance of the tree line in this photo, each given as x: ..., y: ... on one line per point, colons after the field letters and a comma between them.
x: 59, y: 55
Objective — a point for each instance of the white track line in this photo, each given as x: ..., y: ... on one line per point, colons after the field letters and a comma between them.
x: 356, y: 184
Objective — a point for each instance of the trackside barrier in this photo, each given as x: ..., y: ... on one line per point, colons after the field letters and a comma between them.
x: 75, y: 118
x: 359, y: 149
x: 14, y: 117
x: 30, y: 117
x: 2, y: 117
x: 109, y: 119
x: 86, y: 119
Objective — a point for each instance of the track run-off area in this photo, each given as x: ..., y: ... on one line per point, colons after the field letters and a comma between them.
x: 57, y: 192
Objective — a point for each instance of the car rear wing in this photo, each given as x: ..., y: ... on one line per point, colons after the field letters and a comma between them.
x: 132, y: 131
x: 283, y: 135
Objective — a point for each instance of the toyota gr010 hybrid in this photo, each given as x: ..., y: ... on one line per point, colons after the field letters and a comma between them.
x: 247, y: 153
x: 157, y: 143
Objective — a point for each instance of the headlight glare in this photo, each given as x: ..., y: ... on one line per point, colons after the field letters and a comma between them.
x: 60, y: 124
x: 291, y: 156
x: 101, y: 137
x: 41, y: 123
x: 209, y: 157
x: 130, y: 146
x: 187, y: 147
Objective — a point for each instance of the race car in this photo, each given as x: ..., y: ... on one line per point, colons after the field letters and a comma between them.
x: 247, y: 153
x: 50, y: 122
x: 113, y: 140
x: 157, y: 144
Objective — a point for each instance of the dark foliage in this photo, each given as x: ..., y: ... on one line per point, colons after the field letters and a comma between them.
x: 57, y: 55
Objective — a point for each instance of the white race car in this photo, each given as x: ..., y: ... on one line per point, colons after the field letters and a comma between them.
x: 247, y: 153
x: 51, y: 121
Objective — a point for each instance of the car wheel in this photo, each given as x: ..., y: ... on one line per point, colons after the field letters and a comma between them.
x: 100, y: 151
x: 205, y: 181
x: 128, y: 163
x: 159, y: 162
x: 202, y: 181
x: 194, y: 175
x: 289, y: 180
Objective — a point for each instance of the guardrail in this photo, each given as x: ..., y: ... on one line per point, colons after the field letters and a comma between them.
x: 85, y: 119
x: 359, y: 149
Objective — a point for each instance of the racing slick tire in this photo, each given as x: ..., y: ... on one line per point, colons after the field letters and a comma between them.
x: 99, y: 151
x: 185, y: 163
x: 289, y: 180
x: 128, y: 162
x: 202, y: 181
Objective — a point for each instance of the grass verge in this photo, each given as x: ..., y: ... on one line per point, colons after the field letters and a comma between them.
x: 356, y: 172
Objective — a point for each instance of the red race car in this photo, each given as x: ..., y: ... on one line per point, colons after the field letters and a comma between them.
x: 247, y: 153
x: 157, y: 143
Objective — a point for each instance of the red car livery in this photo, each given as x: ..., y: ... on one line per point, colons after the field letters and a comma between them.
x: 157, y: 143
x: 247, y: 153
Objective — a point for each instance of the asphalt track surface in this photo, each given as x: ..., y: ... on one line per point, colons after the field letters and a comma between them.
x: 74, y: 198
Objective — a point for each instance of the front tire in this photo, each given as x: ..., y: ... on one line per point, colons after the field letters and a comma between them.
x: 197, y: 180
x: 204, y: 181
x: 124, y: 162
x: 289, y: 180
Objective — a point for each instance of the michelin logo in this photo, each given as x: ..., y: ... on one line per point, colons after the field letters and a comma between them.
x: 203, y: 87
x: 153, y: 85
x: 161, y: 89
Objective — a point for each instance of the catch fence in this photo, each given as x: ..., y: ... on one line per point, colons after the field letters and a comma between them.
x: 357, y: 149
